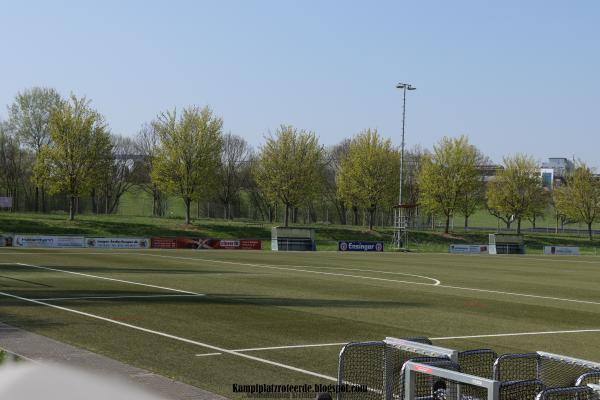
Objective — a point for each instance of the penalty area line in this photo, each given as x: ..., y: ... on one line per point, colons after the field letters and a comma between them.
x: 433, y: 338
x: 173, y: 337
x: 519, y: 334
x: 515, y: 294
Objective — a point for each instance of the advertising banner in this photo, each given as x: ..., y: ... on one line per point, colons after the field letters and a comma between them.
x: 360, y: 246
x: 561, y: 250
x: 6, y: 202
x: 48, y: 241
x: 6, y: 241
x: 117, y: 243
x: 469, y: 248
x: 231, y: 244
x: 197, y: 243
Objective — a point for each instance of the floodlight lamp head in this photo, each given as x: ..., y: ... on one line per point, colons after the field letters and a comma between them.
x: 411, y: 87
x: 401, y: 86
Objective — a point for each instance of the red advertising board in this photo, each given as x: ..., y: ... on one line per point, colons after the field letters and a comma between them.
x: 196, y: 243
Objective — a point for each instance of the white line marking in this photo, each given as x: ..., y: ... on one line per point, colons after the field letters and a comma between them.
x: 151, y: 296
x: 298, y: 346
x: 107, y: 279
x: 268, y: 266
x: 291, y: 347
x: 434, y: 338
x: 437, y: 282
x: 169, y: 336
x: 386, y: 280
x: 518, y: 334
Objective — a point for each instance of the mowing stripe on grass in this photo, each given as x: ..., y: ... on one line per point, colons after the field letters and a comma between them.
x: 173, y: 337
x: 108, y: 279
x: 150, y: 296
x: 535, y: 296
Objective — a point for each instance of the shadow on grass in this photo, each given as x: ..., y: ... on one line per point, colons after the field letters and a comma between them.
x: 179, y: 299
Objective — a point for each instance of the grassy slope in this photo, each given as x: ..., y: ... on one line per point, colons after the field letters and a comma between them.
x: 117, y: 225
x: 252, y: 305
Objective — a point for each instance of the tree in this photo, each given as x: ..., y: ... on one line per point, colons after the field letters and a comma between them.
x: 147, y: 144
x: 473, y: 194
x: 234, y: 156
x: 331, y: 167
x: 78, y: 153
x: 15, y: 163
x: 189, y: 153
x: 579, y: 198
x: 29, y: 117
x: 119, y: 177
x: 449, y: 178
x: 367, y: 172
x: 516, y: 189
x: 288, y: 168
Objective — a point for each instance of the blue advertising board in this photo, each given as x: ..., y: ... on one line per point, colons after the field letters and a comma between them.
x: 360, y: 246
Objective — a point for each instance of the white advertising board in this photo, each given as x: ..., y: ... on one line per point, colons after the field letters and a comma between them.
x: 117, y: 243
x: 6, y: 202
x: 468, y: 248
x: 48, y: 241
x: 561, y: 250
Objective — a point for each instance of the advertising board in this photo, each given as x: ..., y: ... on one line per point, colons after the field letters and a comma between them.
x: 48, y: 241
x: 561, y: 250
x: 117, y: 243
x: 360, y: 246
x: 468, y: 248
x: 197, y: 243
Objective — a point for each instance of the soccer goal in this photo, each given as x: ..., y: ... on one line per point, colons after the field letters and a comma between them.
x: 414, y: 369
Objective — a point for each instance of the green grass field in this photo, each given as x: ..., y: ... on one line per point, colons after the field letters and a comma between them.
x: 197, y: 316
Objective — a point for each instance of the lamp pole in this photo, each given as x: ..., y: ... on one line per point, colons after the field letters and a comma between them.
x: 404, y: 87
x: 400, y: 225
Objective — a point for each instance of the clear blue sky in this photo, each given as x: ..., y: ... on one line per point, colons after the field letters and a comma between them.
x: 513, y: 75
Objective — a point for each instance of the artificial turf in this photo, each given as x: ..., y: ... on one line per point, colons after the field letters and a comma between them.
x: 266, y: 299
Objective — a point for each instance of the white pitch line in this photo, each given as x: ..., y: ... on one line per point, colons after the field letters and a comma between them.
x: 518, y: 334
x: 267, y: 266
x: 386, y: 280
x: 169, y: 336
x: 151, y: 296
x: 108, y: 279
x: 434, y: 338
x: 298, y: 346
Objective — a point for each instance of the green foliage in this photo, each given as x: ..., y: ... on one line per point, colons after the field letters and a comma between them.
x: 29, y: 115
x: 449, y: 180
x: 189, y: 153
x: 368, y: 171
x: 579, y: 198
x: 79, y: 152
x: 517, y: 190
x: 289, y: 167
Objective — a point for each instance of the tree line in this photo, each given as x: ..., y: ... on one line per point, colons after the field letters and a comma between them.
x: 52, y: 148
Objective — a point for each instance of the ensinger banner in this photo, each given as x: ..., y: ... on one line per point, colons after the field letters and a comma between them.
x: 360, y: 246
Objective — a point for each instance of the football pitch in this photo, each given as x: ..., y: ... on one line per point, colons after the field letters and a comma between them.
x: 218, y: 318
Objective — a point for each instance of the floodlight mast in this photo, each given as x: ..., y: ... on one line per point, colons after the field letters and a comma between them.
x: 400, y: 221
